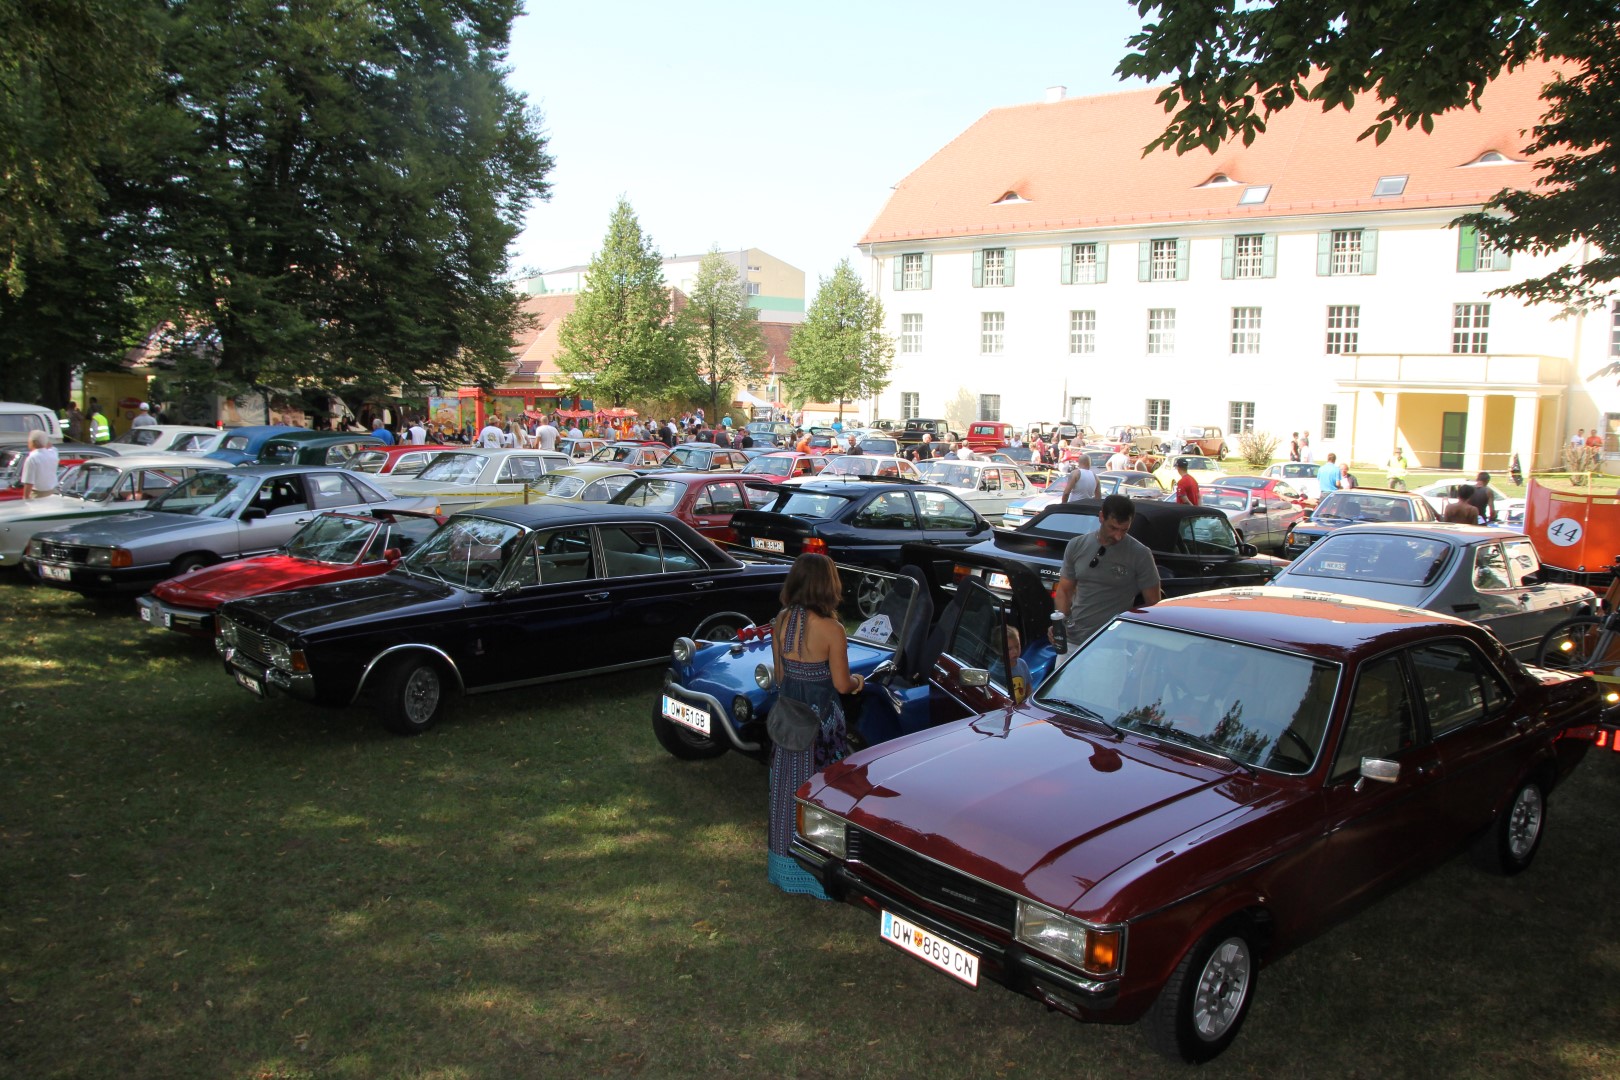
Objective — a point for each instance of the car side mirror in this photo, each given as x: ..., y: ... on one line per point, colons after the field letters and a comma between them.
x: 1531, y: 579
x: 392, y: 555
x: 254, y: 513
x: 1248, y: 551
x: 973, y: 676
x: 978, y: 527
x: 1380, y: 769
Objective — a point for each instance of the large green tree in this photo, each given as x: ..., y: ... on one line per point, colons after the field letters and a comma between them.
x: 720, y: 330
x: 72, y: 74
x: 621, y: 342
x: 840, y: 352
x: 332, y: 189
x: 1234, y: 63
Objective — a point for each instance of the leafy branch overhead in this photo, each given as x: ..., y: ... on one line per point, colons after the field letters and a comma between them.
x: 1232, y: 64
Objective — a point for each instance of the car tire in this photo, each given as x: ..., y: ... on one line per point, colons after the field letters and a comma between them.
x: 185, y: 564
x: 721, y: 626
x: 1510, y: 844
x: 1204, y: 1002
x: 684, y: 743
x: 1575, y: 645
x: 1222, y: 455
x: 410, y: 696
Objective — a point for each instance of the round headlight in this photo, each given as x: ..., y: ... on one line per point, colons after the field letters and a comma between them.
x: 227, y: 631
x: 684, y: 648
x: 742, y: 710
x: 763, y: 676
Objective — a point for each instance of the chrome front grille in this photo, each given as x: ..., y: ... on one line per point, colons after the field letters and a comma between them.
x: 58, y: 552
x: 252, y: 645
x: 928, y: 880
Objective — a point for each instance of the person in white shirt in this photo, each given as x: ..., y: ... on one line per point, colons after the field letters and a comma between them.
x: 490, y: 436
x: 548, y: 435
x: 39, y: 467
x: 965, y: 452
x: 418, y: 434
x: 1306, y: 454
x: 509, y: 437
x: 1119, y: 461
x: 143, y: 418
x: 574, y: 432
x: 1082, y: 483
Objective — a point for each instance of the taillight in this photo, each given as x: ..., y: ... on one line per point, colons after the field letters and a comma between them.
x: 816, y: 545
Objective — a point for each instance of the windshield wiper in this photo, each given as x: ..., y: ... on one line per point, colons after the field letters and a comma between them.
x: 1171, y: 733
x: 1083, y: 711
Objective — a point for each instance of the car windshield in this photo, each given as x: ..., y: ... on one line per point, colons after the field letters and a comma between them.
x: 1256, y: 706
x: 141, y: 436
x: 453, y: 469
x: 215, y: 494
x: 468, y: 553
x: 688, y: 456
x: 367, y: 461
x: 876, y: 445
x: 234, y: 442
x: 1413, y: 561
x: 1299, y: 471
x: 770, y: 465
x: 332, y: 538
x: 807, y: 504
x: 1224, y: 500
x: 616, y: 453
x: 278, y: 452
x: 93, y: 482
x: 556, y: 485
x: 1353, y: 506
x: 949, y: 474
x: 651, y: 493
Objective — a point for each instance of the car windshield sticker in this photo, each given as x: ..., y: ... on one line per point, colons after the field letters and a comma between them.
x: 877, y: 630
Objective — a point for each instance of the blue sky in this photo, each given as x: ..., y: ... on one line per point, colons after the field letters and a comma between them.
x: 775, y: 126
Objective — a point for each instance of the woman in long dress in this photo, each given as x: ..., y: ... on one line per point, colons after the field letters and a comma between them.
x: 811, y: 657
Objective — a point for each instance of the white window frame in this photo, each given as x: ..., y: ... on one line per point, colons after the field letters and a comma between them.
x: 911, y: 329
x: 990, y: 407
x: 1157, y: 414
x: 992, y: 332
x: 1161, y: 337
x: 1082, y: 332
x: 1163, y: 260
x: 995, y: 267
x: 910, y: 406
x: 911, y: 272
x: 1470, y: 328
x: 1245, y: 331
x: 1346, y: 252
x: 1330, y: 422
x: 1248, y: 255
x: 1239, y: 417
x: 1084, y: 260
x: 1343, y: 328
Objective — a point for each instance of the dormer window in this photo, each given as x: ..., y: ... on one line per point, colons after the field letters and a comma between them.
x: 1493, y: 157
x: 1254, y: 195
x: 1389, y: 185
x: 1220, y: 179
x: 1012, y: 197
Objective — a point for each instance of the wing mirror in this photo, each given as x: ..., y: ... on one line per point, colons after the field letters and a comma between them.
x: 392, y: 555
x: 1248, y: 551
x: 1379, y: 769
x: 973, y: 677
x: 254, y: 513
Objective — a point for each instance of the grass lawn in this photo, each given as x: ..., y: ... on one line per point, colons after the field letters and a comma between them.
x: 197, y: 884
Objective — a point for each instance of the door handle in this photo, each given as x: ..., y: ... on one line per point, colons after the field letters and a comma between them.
x: 701, y: 584
x: 596, y: 596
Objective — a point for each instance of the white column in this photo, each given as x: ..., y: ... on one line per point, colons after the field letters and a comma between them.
x: 1474, y: 437
x: 1392, y: 425
x: 1526, y: 408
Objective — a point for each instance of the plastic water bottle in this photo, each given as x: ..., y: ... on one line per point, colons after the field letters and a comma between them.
x: 1060, y: 633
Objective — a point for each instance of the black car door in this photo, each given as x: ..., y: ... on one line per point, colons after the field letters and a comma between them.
x: 656, y: 587
x: 548, y: 615
x: 871, y: 533
x: 947, y: 520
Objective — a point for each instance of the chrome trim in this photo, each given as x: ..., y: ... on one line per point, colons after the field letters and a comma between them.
x: 359, y: 688
x: 201, y: 618
x: 724, y: 716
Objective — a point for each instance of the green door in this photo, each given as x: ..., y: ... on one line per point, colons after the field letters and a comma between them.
x: 1453, y: 430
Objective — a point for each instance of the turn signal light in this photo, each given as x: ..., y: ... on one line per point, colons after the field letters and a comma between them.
x: 120, y: 558
x: 816, y: 545
x: 1102, y: 951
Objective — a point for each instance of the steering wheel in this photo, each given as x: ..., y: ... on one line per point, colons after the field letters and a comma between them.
x: 1290, y: 733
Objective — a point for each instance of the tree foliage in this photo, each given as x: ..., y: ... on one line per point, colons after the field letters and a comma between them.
x: 621, y: 342
x: 721, y: 330
x: 1234, y: 63
x: 840, y: 352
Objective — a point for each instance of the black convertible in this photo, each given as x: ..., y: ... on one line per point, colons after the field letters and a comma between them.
x: 498, y: 598
x: 1193, y: 546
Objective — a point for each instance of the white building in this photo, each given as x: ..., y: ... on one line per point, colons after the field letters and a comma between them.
x: 1039, y: 266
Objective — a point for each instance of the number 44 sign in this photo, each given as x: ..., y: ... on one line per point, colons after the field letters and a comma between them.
x: 1565, y: 532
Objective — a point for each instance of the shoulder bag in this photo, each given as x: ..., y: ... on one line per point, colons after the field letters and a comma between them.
x: 792, y: 724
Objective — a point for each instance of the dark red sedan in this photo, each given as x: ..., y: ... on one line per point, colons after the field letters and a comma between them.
x: 1205, y: 785
x: 333, y: 547
x: 703, y: 500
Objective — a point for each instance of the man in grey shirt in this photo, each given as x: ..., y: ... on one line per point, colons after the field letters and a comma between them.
x: 1103, y: 572
x: 1082, y: 482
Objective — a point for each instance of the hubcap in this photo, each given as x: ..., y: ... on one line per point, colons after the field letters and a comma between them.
x: 422, y: 695
x: 1524, y: 822
x: 1222, y: 988
x: 869, y: 595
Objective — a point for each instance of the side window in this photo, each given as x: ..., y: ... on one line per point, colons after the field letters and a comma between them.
x: 281, y: 495
x: 1490, y: 567
x: 990, y: 480
x: 337, y: 455
x: 520, y: 470
x: 889, y: 510
x: 1522, y: 561
x: 1013, y: 480
x: 1380, y: 721
x: 148, y: 484
x: 637, y: 550
x: 970, y: 638
x: 1207, y: 534
x: 330, y: 490
x: 704, y: 502
x: 727, y: 498
x: 938, y: 510
x: 562, y: 555
x: 1458, y: 685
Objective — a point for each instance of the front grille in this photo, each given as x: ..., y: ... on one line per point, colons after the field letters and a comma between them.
x: 57, y: 552
x: 929, y: 881
x: 252, y: 645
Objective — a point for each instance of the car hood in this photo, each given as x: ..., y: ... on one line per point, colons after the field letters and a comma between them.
x: 321, y: 607
x: 1029, y: 803
x: 63, y: 506
x: 138, y: 525
x: 213, y: 585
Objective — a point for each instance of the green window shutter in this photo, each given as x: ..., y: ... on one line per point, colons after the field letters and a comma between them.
x: 1268, y: 255
x: 1228, y: 256
x: 1144, y: 260
x: 978, y: 269
x: 1324, y: 254
x: 1500, y: 259
x: 1102, y: 261
x: 1467, y: 249
x: 1369, y: 251
x: 1066, y: 264
x: 928, y: 271
x: 1007, y: 267
x: 899, y: 272
x: 1183, y: 247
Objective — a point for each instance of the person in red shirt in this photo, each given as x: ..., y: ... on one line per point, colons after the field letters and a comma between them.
x: 1186, y: 486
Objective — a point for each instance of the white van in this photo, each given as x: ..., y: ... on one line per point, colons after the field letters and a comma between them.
x: 18, y: 419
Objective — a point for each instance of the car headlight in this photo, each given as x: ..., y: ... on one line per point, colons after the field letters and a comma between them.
x: 742, y: 710
x: 1094, y: 951
x: 763, y: 677
x: 227, y: 631
x: 33, y: 549
x: 683, y: 650
x: 821, y: 830
x: 115, y: 557
x: 279, y: 654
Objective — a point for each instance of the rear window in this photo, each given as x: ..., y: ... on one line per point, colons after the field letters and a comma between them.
x: 810, y: 505
x: 1388, y: 560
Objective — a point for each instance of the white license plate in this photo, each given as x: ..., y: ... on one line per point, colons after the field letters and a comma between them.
x: 762, y: 544
x: 689, y: 715
x: 55, y: 573
x: 146, y: 614
x: 930, y: 949
x: 249, y: 683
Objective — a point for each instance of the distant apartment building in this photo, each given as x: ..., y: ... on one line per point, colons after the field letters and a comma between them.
x: 774, y: 287
x: 1039, y: 266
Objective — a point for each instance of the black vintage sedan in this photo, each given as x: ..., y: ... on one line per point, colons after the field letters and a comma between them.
x: 1194, y: 547
x: 498, y: 598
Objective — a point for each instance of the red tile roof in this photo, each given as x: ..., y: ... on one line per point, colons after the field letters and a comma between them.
x: 534, y: 351
x: 1079, y: 164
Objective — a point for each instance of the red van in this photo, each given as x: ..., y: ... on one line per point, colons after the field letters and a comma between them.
x: 987, y: 435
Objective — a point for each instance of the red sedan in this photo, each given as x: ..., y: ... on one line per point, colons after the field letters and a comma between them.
x: 781, y: 464
x: 333, y: 547
x: 704, y: 501
x: 1271, y: 487
x: 1207, y: 784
